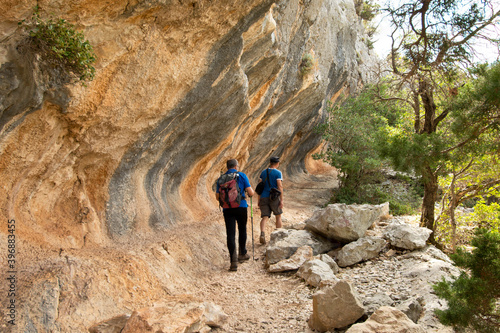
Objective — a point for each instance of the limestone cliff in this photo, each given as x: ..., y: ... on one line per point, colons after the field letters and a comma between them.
x: 181, y: 86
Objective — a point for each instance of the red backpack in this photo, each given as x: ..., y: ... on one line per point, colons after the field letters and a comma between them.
x: 229, y: 191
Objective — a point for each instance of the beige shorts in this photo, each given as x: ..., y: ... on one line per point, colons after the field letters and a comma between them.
x: 267, y: 206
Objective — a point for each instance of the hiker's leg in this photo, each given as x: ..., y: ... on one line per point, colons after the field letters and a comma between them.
x: 263, y: 223
x: 278, y: 221
x: 241, y: 218
x: 277, y: 211
x: 230, y: 221
x: 265, y: 213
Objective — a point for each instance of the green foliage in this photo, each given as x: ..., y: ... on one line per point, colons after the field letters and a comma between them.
x: 487, y: 214
x: 367, y: 10
x: 350, y: 133
x: 431, y: 42
x: 411, y: 151
x: 473, y: 296
x: 61, y: 45
x: 441, y: 32
x: 468, y: 183
x: 470, y: 168
x: 306, y: 64
x: 478, y: 103
x: 404, y: 197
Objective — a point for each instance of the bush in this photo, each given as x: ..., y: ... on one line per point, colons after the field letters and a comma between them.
x: 403, y: 195
x: 306, y: 64
x: 350, y: 132
x: 473, y: 297
x: 367, y: 10
x: 60, y: 45
x: 354, y: 135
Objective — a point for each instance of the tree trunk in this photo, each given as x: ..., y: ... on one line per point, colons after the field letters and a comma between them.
x: 429, y: 177
x: 427, y: 96
x: 453, y: 206
x: 430, y: 196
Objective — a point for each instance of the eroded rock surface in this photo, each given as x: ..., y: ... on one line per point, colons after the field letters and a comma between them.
x: 387, y: 320
x: 345, y: 223
x: 300, y: 256
x: 180, y: 87
x: 315, y: 271
x: 363, y: 249
x: 106, y: 182
x: 285, y: 242
x: 406, y: 236
x: 335, y: 305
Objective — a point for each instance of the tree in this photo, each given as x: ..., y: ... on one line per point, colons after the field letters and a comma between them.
x: 473, y: 296
x: 350, y: 133
x: 474, y: 180
x: 431, y: 39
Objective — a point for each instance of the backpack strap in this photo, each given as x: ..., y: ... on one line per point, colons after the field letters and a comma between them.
x: 242, y: 190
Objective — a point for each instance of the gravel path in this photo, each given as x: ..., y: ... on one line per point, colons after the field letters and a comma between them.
x: 255, y: 300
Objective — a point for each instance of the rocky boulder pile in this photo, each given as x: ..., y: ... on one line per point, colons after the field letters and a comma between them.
x: 372, y: 272
x: 179, y: 315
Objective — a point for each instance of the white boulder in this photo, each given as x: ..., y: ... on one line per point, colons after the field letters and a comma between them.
x: 345, y: 223
x: 363, y: 249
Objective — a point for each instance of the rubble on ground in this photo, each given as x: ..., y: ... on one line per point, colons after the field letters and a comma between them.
x: 389, y: 267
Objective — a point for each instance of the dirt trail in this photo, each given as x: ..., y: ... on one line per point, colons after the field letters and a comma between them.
x: 255, y: 300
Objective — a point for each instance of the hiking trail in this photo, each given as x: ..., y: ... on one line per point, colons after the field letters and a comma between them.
x: 258, y: 301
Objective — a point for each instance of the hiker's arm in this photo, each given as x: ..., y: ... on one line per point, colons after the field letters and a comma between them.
x: 250, y: 191
x: 258, y: 195
x: 280, y: 187
x: 217, y: 196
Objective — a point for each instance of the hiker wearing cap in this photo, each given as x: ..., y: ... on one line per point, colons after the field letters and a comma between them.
x: 271, y: 198
x: 232, y: 189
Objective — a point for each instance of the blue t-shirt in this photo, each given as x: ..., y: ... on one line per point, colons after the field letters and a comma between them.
x: 243, y: 183
x: 274, y: 176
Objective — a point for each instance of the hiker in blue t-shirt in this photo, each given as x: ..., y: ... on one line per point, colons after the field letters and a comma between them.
x: 270, y: 201
x: 237, y: 215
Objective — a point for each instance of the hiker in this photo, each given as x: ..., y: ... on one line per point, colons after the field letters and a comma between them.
x: 234, y: 210
x: 271, y: 198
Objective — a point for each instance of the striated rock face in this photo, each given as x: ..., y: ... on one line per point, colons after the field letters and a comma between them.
x: 180, y: 87
x: 101, y: 179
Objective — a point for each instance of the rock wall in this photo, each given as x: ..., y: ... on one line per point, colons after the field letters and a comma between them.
x: 99, y: 178
x: 181, y: 86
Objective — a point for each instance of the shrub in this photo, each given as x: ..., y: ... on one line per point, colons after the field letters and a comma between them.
x: 403, y: 195
x: 473, y: 296
x: 59, y: 44
x: 367, y: 10
x: 306, y: 64
x: 350, y: 134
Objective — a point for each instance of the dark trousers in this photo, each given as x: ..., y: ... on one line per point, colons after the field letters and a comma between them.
x: 231, y: 217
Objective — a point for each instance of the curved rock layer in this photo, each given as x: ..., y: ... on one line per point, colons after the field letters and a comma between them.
x: 181, y: 86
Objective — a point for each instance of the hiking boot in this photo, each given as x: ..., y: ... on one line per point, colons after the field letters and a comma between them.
x: 243, y: 257
x: 262, y: 238
x: 234, y: 266
x: 234, y: 262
